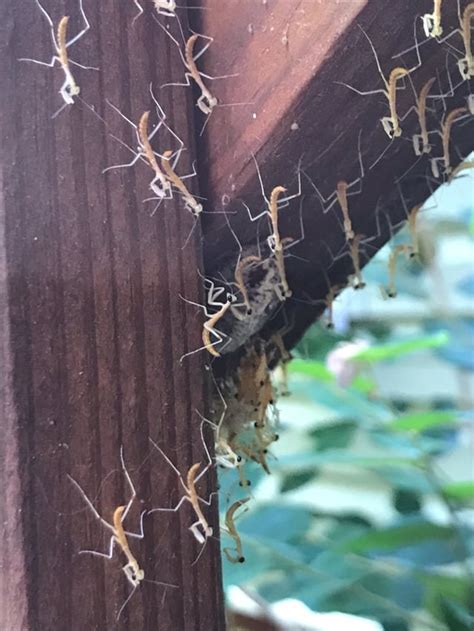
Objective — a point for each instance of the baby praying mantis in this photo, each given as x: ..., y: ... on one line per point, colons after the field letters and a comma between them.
x: 274, y: 240
x: 234, y: 555
x: 225, y: 456
x: 341, y: 194
x: 213, y: 300
x: 209, y: 326
x: 132, y: 570
x: 241, y: 267
x: 432, y: 21
x: 331, y: 296
x: 207, y: 101
x: 421, y: 143
x: 466, y: 63
x: 159, y: 185
x: 341, y: 191
x: 391, y: 124
x: 446, y: 126
x: 329, y: 299
x: 354, y: 251
x: 413, y: 229
x: 200, y: 528
x: 412, y: 224
x: 403, y: 248
x: 190, y: 201
x: 69, y: 88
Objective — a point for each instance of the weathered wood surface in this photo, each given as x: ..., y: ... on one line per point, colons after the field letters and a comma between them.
x: 289, y: 56
x: 93, y: 327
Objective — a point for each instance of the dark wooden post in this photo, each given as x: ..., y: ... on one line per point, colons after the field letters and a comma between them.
x: 93, y: 327
x: 288, y: 58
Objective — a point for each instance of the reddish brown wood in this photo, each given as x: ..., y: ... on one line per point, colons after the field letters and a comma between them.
x: 288, y: 56
x: 93, y: 329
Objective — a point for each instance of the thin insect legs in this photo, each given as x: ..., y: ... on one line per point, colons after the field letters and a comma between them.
x: 69, y: 88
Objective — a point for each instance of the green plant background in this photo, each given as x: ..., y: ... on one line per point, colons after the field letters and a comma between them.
x: 388, y: 556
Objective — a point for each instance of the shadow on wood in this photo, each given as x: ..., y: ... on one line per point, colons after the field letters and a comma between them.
x: 289, y: 56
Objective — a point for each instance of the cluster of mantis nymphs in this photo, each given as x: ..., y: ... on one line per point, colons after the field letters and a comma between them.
x: 248, y: 293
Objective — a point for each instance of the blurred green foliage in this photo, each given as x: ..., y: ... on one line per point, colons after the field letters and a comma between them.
x: 398, y: 565
x: 345, y: 561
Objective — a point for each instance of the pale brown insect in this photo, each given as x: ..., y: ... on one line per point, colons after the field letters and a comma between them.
x: 132, y: 570
x: 404, y: 248
x: 432, y: 21
x: 234, y: 556
x: 189, y: 200
x: 421, y: 143
x: 69, y: 88
x: 446, y: 128
x: 200, y: 528
x: 391, y: 124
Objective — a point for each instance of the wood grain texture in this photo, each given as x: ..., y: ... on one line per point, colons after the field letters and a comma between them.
x: 288, y: 57
x: 93, y: 327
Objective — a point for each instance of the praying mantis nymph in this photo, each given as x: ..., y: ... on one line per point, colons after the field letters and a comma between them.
x: 190, y: 201
x: 234, y: 556
x: 69, y: 88
x: 392, y: 266
x: 390, y: 124
x: 446, y: 127
x: 432, y: 21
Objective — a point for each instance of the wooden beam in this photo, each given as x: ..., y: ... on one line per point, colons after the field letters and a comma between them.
x: 93, y: 327
x: 288, y: 56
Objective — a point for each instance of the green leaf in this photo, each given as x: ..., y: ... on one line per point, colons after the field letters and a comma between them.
x: 364, y: 385
x: 440, y: 588
x: 453, y: 616
x: 341, y: 566
x: 293, y: 481
x: 463, y: 491
x: 405, y: 478
x: 261, y: 557
x: 343, y: 403
x: 310, y: 368
x: 403, y: 444
x: 423, y: 420
x: 337, y: 436
x: 392, y: 350
x: 393, y: 537
x: 406, y: 502
x: 281, y: 522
